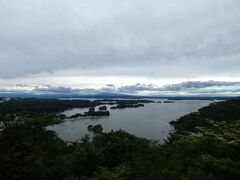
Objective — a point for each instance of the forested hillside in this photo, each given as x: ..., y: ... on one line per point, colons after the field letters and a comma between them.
x: 206, y: 145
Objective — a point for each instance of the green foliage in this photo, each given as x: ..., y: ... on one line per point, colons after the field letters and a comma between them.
x: 29, y: 153
x: 120, y: 172
x: 209, y: 150
x: 222, y: 111
x: 41, y: 106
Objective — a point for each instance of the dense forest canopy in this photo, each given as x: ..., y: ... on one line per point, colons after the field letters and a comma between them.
x: 206, y: 145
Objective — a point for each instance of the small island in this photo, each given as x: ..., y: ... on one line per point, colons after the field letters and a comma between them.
x: 96, y: 129
x: 102, y: 108
x: 76, y: 116
x: 91, y: 112
x: 123, y: 106
x: 169, y: 101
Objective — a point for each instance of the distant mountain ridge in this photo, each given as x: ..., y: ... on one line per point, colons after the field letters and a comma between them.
x: 112, y: 95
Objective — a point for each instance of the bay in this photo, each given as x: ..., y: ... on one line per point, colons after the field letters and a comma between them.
x: 150, y: 121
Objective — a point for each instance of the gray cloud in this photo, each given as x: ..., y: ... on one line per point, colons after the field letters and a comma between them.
x: 200, y: 85
x: 185, y: 88
x: 55, y: 90
x: 189, y: 88
x: 167, y: 39
x: 138, y: 88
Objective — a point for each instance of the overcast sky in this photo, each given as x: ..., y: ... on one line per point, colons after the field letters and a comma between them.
x: 127, y: 46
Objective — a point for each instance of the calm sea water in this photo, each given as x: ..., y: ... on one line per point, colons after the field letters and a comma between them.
x: 150, y: 121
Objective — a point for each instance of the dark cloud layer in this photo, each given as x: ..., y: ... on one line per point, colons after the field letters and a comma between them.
x: 200, y: 85
x: 185, y: 88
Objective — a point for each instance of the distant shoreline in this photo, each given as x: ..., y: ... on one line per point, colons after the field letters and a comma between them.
x: 111, y: 96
